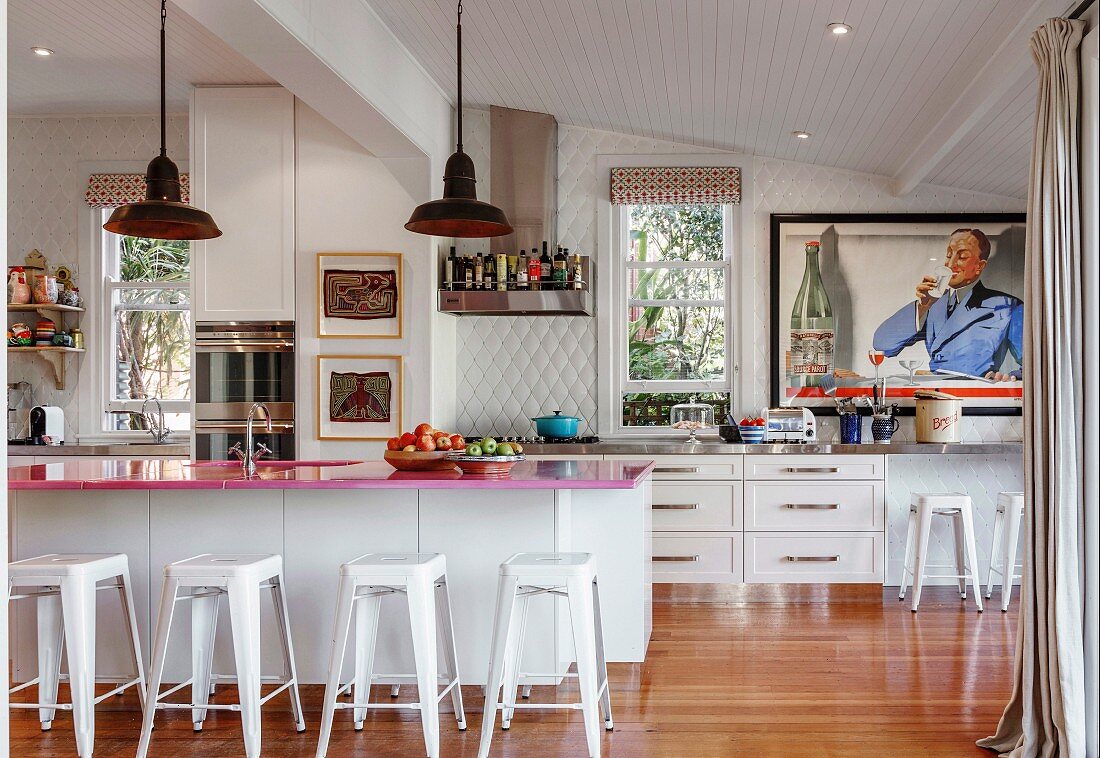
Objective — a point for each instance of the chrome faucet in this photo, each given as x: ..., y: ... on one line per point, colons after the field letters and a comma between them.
x: 158, y: 430
x: 249, y: 456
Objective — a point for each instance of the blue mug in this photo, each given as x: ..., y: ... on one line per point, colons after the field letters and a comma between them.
x: 883, y: 427
x: 851, y: 429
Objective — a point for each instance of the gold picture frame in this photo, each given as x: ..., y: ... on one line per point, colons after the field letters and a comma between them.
x: 347, y: 362
x: 335, y: 327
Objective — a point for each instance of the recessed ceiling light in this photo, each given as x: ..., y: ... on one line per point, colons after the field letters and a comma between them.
x: 838, y: 28
x: 802, y: 135
x: 44, y: 52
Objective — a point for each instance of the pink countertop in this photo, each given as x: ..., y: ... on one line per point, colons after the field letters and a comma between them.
x: 174, y: 475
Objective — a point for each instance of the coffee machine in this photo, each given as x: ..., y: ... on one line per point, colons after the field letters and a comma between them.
x: 47, y: 425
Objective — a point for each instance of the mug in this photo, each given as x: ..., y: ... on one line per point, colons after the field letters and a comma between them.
x: 851, y: 429
x: 883, y: 427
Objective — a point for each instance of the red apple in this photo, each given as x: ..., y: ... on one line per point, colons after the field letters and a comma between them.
x: 394, y: 443
x: 409, y: 449
x: 443, y: 442
x: 437, y: 434
x: 425, y: 443
x: 408, y: 438
x: 423, y: 429
x: 458, y: 442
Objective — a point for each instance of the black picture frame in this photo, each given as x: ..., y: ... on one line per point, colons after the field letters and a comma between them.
x: 776, y: 222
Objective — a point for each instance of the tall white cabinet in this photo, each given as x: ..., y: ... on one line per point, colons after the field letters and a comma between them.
x: 242, y: 173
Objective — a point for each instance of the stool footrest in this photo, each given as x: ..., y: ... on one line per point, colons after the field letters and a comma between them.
x: 286, y: 685
x: 377, y: 706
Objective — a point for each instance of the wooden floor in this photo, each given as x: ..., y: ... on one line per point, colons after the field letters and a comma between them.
x: 773, y: 674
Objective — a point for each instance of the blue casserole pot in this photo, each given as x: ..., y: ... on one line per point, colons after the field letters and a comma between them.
x: 556, y: 426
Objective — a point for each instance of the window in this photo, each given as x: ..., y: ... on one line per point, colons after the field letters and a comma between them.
x: 147, y: 324
x: 673, y: 280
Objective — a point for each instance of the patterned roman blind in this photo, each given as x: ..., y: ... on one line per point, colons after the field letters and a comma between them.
x: 113, y: 190
x: 663, y: 185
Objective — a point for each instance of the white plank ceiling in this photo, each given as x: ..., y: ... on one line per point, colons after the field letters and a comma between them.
x: 107, y: 57
x: 742, y: 74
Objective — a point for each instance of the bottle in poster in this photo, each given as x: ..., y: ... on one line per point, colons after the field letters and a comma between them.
x: 812, y: 326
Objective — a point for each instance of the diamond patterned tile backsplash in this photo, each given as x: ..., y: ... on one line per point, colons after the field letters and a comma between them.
x: 46, y: 200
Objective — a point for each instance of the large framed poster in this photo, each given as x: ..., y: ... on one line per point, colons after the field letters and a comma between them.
x: 922, y: 301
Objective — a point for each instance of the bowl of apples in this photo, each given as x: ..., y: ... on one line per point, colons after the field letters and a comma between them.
x: 423, y: 449
x: 488, y: 459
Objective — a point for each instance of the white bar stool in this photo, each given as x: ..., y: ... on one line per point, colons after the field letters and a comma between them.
x: 523, y: 576
x: 239, y: 577
x: 65, y: 586
x: 1006, y: 536
x: 960, y: 509
x: 422, y: 578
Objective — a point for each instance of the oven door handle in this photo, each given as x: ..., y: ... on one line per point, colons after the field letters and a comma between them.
x: 276, y: 426
x: 238, y: 346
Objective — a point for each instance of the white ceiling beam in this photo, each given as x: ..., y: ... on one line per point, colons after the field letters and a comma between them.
x: 1002, y: 71
x: 342, y: 61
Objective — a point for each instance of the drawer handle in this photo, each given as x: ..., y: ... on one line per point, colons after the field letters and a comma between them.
x: 676, y: 470
x: 813, y: 558
x: 813, y: 469
x: 812, y: 506
x: 676, y: 558
x: 676, y: 506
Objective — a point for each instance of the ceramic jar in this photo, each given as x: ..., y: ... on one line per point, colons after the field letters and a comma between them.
x: 45, y: 288
x: 19, y: 292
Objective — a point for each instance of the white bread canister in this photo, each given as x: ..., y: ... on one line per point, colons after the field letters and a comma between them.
x: 938, y: 416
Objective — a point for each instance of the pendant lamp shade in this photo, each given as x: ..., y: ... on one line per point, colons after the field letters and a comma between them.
x: 459, y: 213
x: 162, y: 214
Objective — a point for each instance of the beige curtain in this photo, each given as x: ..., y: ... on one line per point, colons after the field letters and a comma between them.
x: 1046, y: 715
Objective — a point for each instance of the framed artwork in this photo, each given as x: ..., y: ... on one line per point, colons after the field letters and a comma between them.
x: 359, y: 397
x: 923, y: 301
x: 359, y: 295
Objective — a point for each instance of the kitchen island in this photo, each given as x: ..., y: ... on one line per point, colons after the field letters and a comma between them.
x: 319, y: 516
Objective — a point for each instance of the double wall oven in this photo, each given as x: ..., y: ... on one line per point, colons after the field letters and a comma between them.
x: 238, y: 363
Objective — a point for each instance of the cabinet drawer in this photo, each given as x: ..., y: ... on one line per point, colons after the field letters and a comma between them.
x: 816, y: 467
x: 679, y: 467
x: 692, y: 507
x: 814, y: 506
x: 813, y: 557
x: 686, y: 557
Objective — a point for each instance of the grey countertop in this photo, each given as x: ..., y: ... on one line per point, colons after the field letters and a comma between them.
x: 669, y: 447
x: 112, y: 450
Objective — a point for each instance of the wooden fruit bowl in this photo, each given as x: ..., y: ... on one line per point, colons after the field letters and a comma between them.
x: 485, y: 466
x: 419, y: 461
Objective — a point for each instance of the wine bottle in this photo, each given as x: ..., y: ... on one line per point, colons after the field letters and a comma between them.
x: 533, y: 270
x: 561, y: 266
x: 521, y: 271
x: 449, y: 270
x: 502, y: 272
x: 489, y: 278
x: 812, y: 326
x: 576, y: 275
x: 467, y: 272
x: 479, y: 272
x: 546, y: 269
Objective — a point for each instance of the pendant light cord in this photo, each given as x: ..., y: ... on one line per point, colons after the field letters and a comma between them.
x: 459, y: 109
x: 163, y: 132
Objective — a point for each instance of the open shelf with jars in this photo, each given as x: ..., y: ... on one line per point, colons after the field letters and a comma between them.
x: 55, y: 355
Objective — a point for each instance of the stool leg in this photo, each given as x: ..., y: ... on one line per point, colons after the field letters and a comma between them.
x: 51, y: 639
x: 127, y: 598
x: 995, y: 550
x: 423, y: 621
x: 972, y: 555
x: 244, y: 612
x: 601, y: 661
x: 907, y: 561
x: 513, y: 660
x: 450, y: 651
x: 1008, y: 560
x: 204, y: 623
x: 156, y: 669
x: 924, y: 529
x: 958, y: 531
x: 345, y: 599
x: 502, y: 629
x: 290, y: 671
x: 78, y: 599
x: 582, y: 617
x: 367, y: 611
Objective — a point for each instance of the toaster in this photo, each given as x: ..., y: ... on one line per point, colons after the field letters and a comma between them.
x: 791, y: 425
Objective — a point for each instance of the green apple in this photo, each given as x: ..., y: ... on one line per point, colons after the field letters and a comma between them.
x: 473, y: 449
x: 488, y: 445
x: 505, y: 448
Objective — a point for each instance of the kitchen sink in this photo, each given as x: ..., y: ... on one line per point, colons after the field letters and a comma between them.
x: 270, y: 464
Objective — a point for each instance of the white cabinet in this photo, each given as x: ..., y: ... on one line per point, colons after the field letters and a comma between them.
x: 242, y: 173
x: 813, y: 557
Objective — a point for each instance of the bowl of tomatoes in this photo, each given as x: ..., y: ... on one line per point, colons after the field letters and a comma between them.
x: 753, y: 430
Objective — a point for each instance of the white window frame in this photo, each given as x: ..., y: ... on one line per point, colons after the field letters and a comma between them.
x: 612, y: 296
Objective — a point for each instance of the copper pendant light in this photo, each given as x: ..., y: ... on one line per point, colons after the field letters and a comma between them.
x: 162, y: 214
x: 459, y: 213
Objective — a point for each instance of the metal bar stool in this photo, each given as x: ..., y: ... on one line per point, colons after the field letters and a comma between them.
x: 1006, y: 537
x: 65, y: 587
x: 960, y: 509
